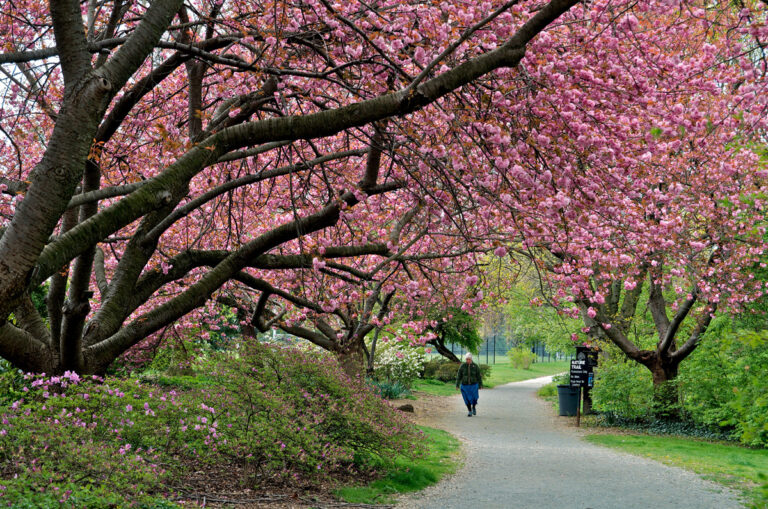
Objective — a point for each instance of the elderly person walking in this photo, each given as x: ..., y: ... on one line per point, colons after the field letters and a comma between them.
x: 471, y: 382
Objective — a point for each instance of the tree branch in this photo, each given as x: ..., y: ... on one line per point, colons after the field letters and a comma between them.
x: 695, y: 338
x: 668, y: 338
x: 70, y: 40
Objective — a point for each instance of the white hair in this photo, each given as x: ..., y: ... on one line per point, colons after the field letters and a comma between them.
x: 468, y: 355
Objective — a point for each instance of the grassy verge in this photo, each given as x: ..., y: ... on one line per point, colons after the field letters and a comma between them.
x: 731, y: 465
x: 500, y: 374
x: 409, y: 474
x: 435, y: 387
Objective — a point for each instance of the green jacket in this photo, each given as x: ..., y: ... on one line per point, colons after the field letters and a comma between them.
x: 469, y: 374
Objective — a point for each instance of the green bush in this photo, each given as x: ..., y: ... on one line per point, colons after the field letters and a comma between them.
x: 562, y: 379
x: 431, y: 367
x: 290, y: 412
x: 72, y: 438
x: 623, y: 388
x: 548, y: 391
x: 521, y: 358
x: 389, y: 390
x: 447, y: 372
x: 724, y: 384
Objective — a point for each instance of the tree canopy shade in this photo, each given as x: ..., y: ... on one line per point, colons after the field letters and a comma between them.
x: 336, y: 155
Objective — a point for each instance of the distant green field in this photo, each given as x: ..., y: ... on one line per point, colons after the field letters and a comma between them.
x: 504, y: 373
x: 734, y: 466
x: 500, y: 374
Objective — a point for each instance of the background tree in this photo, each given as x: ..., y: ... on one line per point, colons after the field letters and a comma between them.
x: 456, y: 327
x: 662, y: 207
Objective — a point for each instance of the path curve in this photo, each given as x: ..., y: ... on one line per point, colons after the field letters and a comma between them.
x: 518, y: 455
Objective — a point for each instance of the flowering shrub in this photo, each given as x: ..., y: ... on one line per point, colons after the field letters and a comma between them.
x: 274, y: 413
x: 397, y: 362
x: 293, y: 412
x: 67, y: 437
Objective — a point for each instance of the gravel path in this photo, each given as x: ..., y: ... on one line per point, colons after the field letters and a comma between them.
x: 519, y: 456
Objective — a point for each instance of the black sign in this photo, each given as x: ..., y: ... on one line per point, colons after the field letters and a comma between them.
x: 585, y: 353
x: 581, y: 373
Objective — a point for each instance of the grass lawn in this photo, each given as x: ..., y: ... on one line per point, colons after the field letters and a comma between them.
x: 504, y: 373
x: 737, y: 467
x: 500, y: 374
x: 409, y: 474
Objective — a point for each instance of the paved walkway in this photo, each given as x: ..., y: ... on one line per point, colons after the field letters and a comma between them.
x: 520, y: 456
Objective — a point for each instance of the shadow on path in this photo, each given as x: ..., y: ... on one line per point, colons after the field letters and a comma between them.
x: 518, y: 456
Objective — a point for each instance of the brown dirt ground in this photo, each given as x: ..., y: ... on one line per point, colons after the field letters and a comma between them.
x: 428, y: 409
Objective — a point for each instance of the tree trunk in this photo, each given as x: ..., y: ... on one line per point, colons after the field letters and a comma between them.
x: 666, y: 401
x: 372, y: 354
x: 442, y: 350
x: 352, y: 359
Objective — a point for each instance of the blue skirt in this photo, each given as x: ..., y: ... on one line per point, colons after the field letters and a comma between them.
x: 470, y: 393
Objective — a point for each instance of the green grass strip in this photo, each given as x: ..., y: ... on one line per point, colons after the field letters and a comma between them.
x: 409, y: 474
x: 734, y: 466
x: 504, y: 373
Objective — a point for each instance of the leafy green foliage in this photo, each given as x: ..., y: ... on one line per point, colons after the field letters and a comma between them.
x: 38, y: 296
x: 724, y: 384
x: 390, y: 390
x: 722, y: 389
x: 293, y: 411
x: 94, y: 435
x: 27, y: 493
x: 459, y: 327
x: 445, y: 371
x: 622, y: 388
x: 527, y: 320
x: 521, y: 358
x: 548, y: 392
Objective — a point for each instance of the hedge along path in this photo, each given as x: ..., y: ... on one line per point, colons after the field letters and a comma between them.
x: 519, y: 455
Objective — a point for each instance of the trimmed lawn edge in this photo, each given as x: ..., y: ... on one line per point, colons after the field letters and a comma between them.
x: 409, y: 474
x: 733, y: 466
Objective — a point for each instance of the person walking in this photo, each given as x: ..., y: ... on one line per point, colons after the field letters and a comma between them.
x: 471, y: 381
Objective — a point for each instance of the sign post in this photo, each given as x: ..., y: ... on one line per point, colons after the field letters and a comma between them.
x: 582, y: 375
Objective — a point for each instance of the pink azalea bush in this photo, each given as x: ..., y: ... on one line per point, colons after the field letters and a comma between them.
x: 273, y: 414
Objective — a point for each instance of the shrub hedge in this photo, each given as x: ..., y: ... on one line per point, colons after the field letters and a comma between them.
x: 271, y: 413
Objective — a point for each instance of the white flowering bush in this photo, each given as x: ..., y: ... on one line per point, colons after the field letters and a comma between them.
x: 398, y: 362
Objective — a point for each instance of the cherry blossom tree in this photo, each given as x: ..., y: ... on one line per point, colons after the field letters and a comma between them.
x: 155, y: 152
x: 645, y: 185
